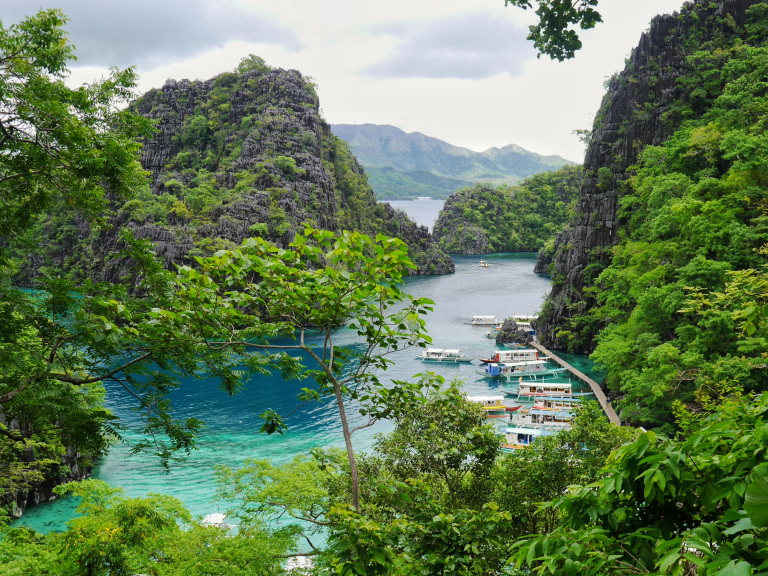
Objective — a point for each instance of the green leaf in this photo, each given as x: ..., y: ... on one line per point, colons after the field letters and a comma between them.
x: 756, y: 501
x: 734, y: 568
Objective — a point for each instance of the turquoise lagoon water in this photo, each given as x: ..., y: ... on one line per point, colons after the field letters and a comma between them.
x: 508, y: 287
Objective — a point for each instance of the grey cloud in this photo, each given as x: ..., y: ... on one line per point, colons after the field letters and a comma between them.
x: 471, y: 46
x: 148, y: 33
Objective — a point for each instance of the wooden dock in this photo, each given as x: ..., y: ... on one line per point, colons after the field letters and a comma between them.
x: 596, y: 390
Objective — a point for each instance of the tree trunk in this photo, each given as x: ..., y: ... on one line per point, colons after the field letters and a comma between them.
x: 348, y: 442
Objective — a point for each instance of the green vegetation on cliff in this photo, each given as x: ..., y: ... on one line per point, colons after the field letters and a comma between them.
x: 693, y: 240
x: 521, y: 218
x: 243, y: 154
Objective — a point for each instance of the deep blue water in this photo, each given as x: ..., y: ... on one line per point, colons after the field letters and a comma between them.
x: 508, y: 287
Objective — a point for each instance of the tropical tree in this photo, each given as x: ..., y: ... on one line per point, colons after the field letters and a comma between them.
x: 56, y: 142
x: 74, y: 149
x: 554, y: 35
x: 245, y: 299
x: 545, y: 470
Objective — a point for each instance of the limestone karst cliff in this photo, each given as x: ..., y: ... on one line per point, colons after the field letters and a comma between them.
x: 243, y: 154
x: 644, y: 104
x: 520, y: 218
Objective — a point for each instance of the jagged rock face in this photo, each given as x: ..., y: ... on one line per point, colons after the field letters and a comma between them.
x: 631, y: 117
x: 73, y: 466
x: 472, y: 239
x: 456, y: 230
x: 422, y: 248
x: 240, y: 155
x: 511, y: 333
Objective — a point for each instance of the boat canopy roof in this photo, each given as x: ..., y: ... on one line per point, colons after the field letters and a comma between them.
x: 539, y: 412
x: 485, y: 398
x: 443, y: 351
x: 553, y: 386
x: 531, y: 431
x: 526, y: 363
x: 474, y: 318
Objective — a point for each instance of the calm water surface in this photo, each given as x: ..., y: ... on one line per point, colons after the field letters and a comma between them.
x: 508, y: 287
x: 422, y: 211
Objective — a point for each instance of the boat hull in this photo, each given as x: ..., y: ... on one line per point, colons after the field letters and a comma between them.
x: 445, y: 360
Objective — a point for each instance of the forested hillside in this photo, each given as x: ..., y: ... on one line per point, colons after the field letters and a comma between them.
x: 666, y: 288
x: 407, y: 165
x: 243, y: 154
x: 521, y: 218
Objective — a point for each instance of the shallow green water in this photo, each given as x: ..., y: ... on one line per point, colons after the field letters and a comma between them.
x: 508, y: 287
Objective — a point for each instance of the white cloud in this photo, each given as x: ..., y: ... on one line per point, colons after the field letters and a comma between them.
x: 464, y: 71
x: 149, y: 33
x: 472, y: 46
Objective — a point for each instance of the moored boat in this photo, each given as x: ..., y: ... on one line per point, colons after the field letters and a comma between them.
x: 494, y: 405
x: 484, y: 321
x: 521, y: 436
x: 216, y: 519
x: 443, y: 355
x: 565, y: 403
x: 519, y: 355
x: 553, y: 389
x: 544, y: 419
x: 530, y: 369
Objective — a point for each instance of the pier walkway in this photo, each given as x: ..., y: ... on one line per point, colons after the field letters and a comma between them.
x: 596, y: 390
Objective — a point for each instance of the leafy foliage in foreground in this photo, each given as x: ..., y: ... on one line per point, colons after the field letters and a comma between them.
x: 59, y: 144
x: 697, y: 503
x: 437, y: 495
x: 554, y: 33
x: 120, y: 536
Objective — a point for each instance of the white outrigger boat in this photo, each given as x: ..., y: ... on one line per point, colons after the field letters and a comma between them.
x: 443, y: 355
x: 528, y: 425
x: 546, y: 419
x: 216, y: 519
x: 530, y: 369
x: 565, y: 403
x: 521, y: 437
x: 519, y: 355
x: 485, y: 321
x: 545, y: 389
x: 483, y: 264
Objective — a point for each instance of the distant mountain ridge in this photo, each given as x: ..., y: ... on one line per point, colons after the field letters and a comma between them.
x: 406, y: 165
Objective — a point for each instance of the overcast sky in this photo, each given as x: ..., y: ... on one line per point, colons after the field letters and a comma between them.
x: 458, y: 70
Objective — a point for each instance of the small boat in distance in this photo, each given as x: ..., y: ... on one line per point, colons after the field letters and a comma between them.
x: 484, y: 321
x: 483, y: 264
x: 216, y: 519
x: 443, y: 355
